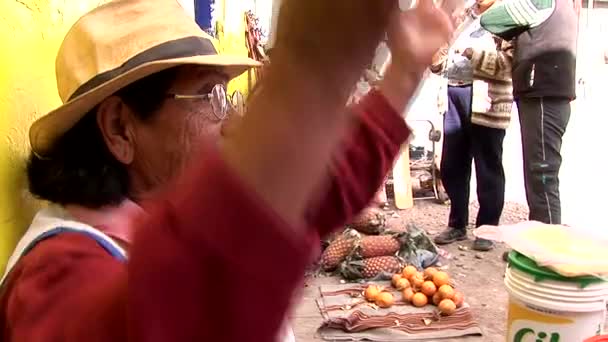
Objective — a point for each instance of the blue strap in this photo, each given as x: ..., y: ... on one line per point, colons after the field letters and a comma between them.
x: 104, y: 243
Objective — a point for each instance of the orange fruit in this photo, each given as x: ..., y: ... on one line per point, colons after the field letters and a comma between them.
x: 428, y: 288
x: 441, y: 278
x: 419, y: 300
x: 458, y: 299
x: 402, y: 284
x: 408, y: 272
x: 447, y: 307
x: 446, y: 292
x: 437, y: 298
x: 372, y: 292
x: 408, y: 294
x: 417, y: 280
x: 396, y: 277
x: 385, y: 300
x: 429, y: 272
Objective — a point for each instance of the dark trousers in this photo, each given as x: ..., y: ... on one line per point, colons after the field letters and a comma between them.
x: 464, y: 142
x: 543, y: 124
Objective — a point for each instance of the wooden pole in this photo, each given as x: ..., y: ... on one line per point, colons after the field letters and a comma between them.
x: 402, y: 181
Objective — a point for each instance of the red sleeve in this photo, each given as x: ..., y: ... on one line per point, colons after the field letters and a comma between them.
x: 360, y: 169
x: 210, y: 263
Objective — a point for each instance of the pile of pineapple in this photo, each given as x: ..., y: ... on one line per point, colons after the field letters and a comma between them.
x: 374, y: 254
x: 365, y: 241
x: 419, y: 289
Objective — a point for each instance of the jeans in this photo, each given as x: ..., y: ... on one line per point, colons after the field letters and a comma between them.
x: 463, y: 143
x: 543, y: 124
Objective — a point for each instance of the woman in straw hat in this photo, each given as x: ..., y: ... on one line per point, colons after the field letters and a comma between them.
x: 217, y: 228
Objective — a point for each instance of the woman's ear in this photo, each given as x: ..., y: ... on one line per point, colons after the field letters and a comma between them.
x: 115, y: 121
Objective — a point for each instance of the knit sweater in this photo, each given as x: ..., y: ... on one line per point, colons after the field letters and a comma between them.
x: 492, y: 86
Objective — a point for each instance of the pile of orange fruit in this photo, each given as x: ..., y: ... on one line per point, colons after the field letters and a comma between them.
x: 419, y: 289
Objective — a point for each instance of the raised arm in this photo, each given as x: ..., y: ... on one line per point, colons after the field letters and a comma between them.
x: 368, y: 152
x: 243, y: 222
x: 367, y: 155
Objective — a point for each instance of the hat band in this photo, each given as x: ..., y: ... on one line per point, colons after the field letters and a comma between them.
x: 179, y: 48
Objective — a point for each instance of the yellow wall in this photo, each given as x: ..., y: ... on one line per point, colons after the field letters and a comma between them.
x: 30, y: 34
x: 231, y: 28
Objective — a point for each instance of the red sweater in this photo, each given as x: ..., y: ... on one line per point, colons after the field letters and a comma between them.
x: 211, y: 262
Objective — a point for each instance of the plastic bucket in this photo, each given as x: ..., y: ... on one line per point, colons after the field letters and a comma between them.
x: 545, y: 306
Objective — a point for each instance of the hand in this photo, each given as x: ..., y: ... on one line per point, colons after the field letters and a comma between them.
x: 468, y: 53
x: 414, y: 38
x: 320, y: 52
x: 334, y: 39
x: 415, y: 35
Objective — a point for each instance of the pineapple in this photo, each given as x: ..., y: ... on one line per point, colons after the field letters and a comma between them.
x: 379, y: 267
x: 369, y: 221
x: 384, y: 264
x: 339, y: 249
x: 376, y: 246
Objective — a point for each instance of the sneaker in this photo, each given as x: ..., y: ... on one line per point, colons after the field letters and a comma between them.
x: 450, y: 235
x: 483, y: 245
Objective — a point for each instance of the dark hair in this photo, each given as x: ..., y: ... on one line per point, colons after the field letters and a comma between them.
x: 79, y: 168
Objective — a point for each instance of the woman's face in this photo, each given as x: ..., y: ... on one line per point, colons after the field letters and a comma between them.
x: 171, y: 137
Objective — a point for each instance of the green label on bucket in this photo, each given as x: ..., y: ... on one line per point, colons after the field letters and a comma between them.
x: 540, y: 336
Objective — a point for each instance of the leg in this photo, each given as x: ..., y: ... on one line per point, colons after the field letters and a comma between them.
x: 543, y: 124
x: 456, y: 162
x: 487, y: 149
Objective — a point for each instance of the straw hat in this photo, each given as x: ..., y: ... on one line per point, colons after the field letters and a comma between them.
x: 117, y: 44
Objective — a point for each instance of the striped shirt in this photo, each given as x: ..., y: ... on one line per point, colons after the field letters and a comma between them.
x: 513, y: 15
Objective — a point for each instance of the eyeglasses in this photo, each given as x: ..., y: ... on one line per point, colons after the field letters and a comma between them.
x: 218, y: 99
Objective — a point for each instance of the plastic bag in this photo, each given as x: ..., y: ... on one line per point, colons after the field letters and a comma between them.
x: 420, y: 250
x: 569, y: 251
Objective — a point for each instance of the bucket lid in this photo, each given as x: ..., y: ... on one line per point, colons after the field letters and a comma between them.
x: 540, y: 273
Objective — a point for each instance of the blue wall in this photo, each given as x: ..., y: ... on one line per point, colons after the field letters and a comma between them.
x: 203, y: 14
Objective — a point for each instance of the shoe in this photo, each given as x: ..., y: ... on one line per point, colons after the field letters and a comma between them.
x: 450, y: 235
x: 483, y: 245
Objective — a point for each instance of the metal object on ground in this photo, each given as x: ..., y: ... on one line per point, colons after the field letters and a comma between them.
x: 423, y: 166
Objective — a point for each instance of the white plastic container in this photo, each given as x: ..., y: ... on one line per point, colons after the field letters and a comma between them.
x: 545, y: 306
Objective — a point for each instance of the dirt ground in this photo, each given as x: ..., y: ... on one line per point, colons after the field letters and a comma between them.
x: 478, y: 275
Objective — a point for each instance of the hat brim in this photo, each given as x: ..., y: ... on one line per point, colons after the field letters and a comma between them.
x: 46, y: 130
